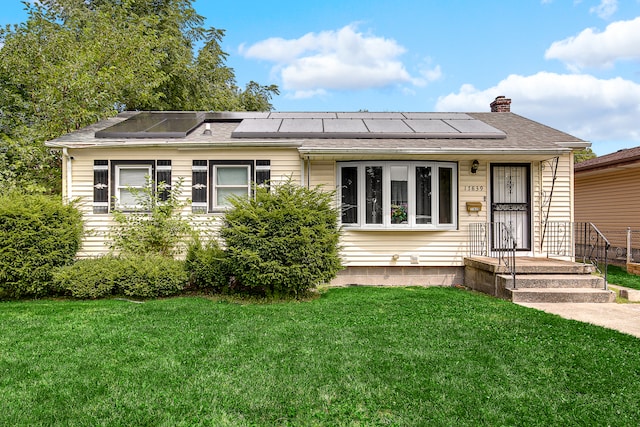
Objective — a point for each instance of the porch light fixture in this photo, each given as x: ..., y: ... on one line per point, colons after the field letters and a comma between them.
x: 474, y: 166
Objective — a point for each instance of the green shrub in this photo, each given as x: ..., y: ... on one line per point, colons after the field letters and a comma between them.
x: 37, y: 233
x: 88, y: 278
x: 144, y: 276
x: 206, y: 265
x: 283, y: 241
x: 157, y: 226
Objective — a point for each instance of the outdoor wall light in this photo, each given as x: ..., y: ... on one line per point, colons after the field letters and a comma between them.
x: 474, y: 166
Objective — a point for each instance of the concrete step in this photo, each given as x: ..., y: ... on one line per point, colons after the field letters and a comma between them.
x: 585, y: 295
x: 551, y: 281
x: 528, y: 265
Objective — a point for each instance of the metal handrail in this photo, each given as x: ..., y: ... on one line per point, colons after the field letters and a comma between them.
x: 494, y: 240
x: 578, y: 240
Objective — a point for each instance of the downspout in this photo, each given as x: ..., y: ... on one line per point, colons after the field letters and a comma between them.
x: 67, y: 158
x: 308, y: 173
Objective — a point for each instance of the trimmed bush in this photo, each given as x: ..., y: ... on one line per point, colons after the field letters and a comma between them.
x: 206, y: 266
x: 89, y: 278
x: 144, y: 276
x: 37, y: 233
x: 283, y: 241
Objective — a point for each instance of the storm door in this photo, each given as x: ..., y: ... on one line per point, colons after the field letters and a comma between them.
x: 511, y: 205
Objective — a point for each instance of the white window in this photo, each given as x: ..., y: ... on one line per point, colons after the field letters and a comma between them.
x: 397, y: 195
x: 230, y: 180
x: 130, y: 177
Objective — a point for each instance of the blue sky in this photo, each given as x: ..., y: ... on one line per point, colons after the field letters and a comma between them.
x: 571, y: 64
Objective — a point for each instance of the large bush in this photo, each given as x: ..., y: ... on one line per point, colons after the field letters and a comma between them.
x: 206, y: 265
x: 37, y: 233
x: 284, y: 241
x: 143, y: 276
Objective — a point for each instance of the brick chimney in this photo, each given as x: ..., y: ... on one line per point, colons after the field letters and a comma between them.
x: 501, y: 105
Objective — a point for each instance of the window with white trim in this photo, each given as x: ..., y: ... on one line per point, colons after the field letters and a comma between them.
x: 398, y: 195
x: 230, y: 180
x: 128, y: 179
x: 214, y: 181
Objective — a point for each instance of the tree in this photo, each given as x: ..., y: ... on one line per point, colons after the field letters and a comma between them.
x: 71, y: 64
x: 582, y: 155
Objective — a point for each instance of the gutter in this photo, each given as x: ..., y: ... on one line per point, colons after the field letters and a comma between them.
x: 416, y: 151
x: 180, y: 146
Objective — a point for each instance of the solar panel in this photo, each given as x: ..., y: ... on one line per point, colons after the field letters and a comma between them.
x: 235, y: 115
x: 302, y: 115
x: 387, y: 126
x: 258, y: 127
x: 306, y: 125
x: 473, y: 126
x: 301, y: 126
x: 344, y: 126
x: 154, y: 125
x: 370, y: 115
x: 437, y: 116
x: 430, y: 126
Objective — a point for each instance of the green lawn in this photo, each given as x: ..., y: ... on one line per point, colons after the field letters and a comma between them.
x: 619, y: 276
x: 354, y: 356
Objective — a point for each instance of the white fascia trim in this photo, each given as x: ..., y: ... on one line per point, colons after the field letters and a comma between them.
x: 575, y: 145
x: 342, y: 151
x: 171, y: 144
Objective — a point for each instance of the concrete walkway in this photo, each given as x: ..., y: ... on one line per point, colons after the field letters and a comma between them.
x: 622, y: 317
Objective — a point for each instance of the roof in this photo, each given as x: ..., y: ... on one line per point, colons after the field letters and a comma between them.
x: 327, y: 132
x: 619, y: 158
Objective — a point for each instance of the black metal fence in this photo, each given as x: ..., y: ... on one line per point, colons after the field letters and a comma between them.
x: 582, y: 241
x: 625, y: 244
x: 494, y: 240
x: 579, y: 241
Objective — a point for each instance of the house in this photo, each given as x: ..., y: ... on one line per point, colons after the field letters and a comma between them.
x: 606, y: 194
x: 415, y: 188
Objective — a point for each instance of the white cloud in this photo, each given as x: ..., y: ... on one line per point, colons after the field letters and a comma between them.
x: 605, y: 9
x: 337, y: 60
x: 579, y: 104
x: 305, y: 94
x: 619, y: 41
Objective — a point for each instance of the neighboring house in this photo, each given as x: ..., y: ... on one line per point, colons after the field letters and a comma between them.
x: 607, y: 194
x: 410, y: 185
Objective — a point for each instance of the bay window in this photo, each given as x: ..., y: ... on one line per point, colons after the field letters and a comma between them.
x: 398, y: 195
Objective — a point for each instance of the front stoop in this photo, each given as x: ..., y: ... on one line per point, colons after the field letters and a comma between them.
x: 538, y: 280
x: 555, y: 288
x: 561, y: 295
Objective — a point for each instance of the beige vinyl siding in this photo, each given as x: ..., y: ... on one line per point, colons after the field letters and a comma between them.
x: 323, y: 172
x: 360, y: 247
x: 609, y: 198
x: 285, y: 163
x: 552, y: 201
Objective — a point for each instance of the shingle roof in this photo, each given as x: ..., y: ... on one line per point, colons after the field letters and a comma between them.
x: 520, y: 135
x: 620, y: 157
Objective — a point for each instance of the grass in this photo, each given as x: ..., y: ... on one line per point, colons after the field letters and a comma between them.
x: 619, y: 276
x: 354, y: 356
